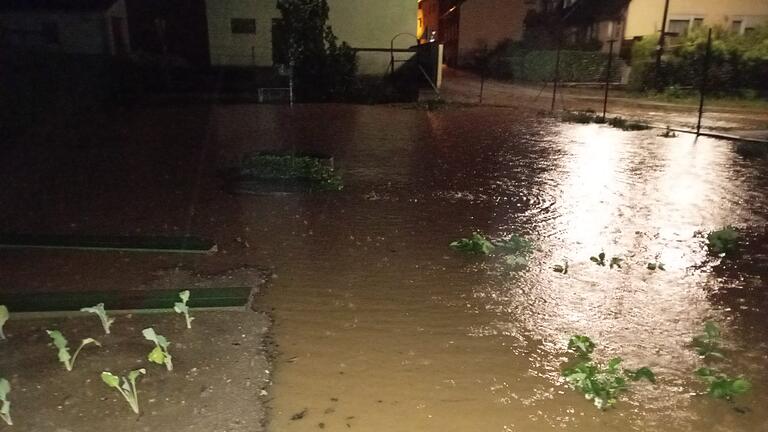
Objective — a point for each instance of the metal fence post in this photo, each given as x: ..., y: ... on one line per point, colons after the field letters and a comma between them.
x: 704, y: 80
x: 608, y: 77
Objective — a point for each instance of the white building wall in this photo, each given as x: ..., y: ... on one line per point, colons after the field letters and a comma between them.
x: 240, y: 49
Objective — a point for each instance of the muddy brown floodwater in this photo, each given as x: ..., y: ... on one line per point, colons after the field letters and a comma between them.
x: 382, y: 327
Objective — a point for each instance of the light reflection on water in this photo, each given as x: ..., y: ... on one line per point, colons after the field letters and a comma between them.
x: 380, y: 313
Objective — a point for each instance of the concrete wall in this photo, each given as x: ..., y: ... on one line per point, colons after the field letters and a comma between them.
x: 645, y: 16
x: 227, y: 48
x: 488, y: 22
x: 78, y: 33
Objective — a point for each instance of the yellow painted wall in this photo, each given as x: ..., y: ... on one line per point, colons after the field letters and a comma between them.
x: 373, y: 24
x: 360, y: 23
x: 644, y: 16
x: 488, y: 22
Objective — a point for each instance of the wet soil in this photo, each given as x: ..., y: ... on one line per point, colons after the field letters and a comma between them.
x: 219, y: 382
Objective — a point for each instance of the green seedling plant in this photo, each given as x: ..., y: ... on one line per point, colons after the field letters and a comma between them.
x: 655, y: 266
x: 723, y: 241
x: 668, y: 133
x: 128, y: 389
x: 561, y: 268
x: 477, y: 244
x: 5, y: 407
x: 708, y: 344
x: 722, y: 386
x: 615, y: 262
x: 106, y: 321
x: 159, y: 354
x: 600, y: 384
x: 599, y: 259
x: 61, y: 343
x: 4, y: 315
x: 182, y: 308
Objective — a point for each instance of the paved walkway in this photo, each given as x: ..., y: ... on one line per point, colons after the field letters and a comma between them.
x: 462, y: 86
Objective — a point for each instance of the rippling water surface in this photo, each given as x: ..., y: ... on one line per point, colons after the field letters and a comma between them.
x: 381, y: 327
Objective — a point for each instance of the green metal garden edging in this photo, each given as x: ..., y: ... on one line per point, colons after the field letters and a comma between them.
x: 108, y: 243
x: 125, y: 300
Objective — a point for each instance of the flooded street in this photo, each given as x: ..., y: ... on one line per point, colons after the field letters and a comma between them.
x: 382, y: 327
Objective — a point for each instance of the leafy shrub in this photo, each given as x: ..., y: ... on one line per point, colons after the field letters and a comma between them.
x: 322, y: 67
x: 600, y: 384
x: 539, y: 65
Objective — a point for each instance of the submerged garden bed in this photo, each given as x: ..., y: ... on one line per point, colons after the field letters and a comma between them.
x: 218, y: 382
x: 273, y: 172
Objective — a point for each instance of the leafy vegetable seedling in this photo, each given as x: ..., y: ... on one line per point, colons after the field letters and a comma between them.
x: 600, y: 384
x: 477, y: 244
x: 599, y: 259
x: 182, y: 308
x: 723, y: 241
x: 128, y: 389
x: 159, y: 354
x: 61, y: 343
x: 656, y: 266
x: 722, y: 386
x: 515, y: 244
x: 3, y: 319
x: 106, y: 321
x: 5, y: 408
x: 708, y: 344
x: 615, y: 262
x: 561, y: 268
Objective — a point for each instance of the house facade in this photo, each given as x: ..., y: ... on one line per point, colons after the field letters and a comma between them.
x: 467, y: 26
x: 600, y: 21
x: 241, y: 32
x: 94, y: 27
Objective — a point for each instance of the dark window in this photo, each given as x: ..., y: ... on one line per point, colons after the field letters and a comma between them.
x: 698, y: 22
x: 736, y: 26
x: 50, y: 33
x: 749, y: 30
x: 678, y: 27
x: 243, y: 25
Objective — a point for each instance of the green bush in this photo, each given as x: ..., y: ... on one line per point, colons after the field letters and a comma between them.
x: 737, y: 62
x: 539, y: 65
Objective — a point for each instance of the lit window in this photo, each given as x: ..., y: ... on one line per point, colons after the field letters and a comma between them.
x: 243, y: 25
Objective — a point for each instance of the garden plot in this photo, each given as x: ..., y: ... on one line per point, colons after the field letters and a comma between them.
x: 218, y: 381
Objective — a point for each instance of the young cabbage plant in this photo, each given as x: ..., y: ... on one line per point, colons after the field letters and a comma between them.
x: 516, y: 262
x: 159, y: 354
x: 600, y: 384
x: 599, y: 259
x: 182, y: 308
x: 477, y: 244
x: 128, y: 389
x: 708, y: 344
x: 722, y: 386
x: 62, y: 344
x: 615, y: 262
x: 5, y: 407
x: 655, y: 266
x: 561, y: 268
x: 4, y: 315
x: 106, y: 321
x: 723, y: 241
x: 514, y: 244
